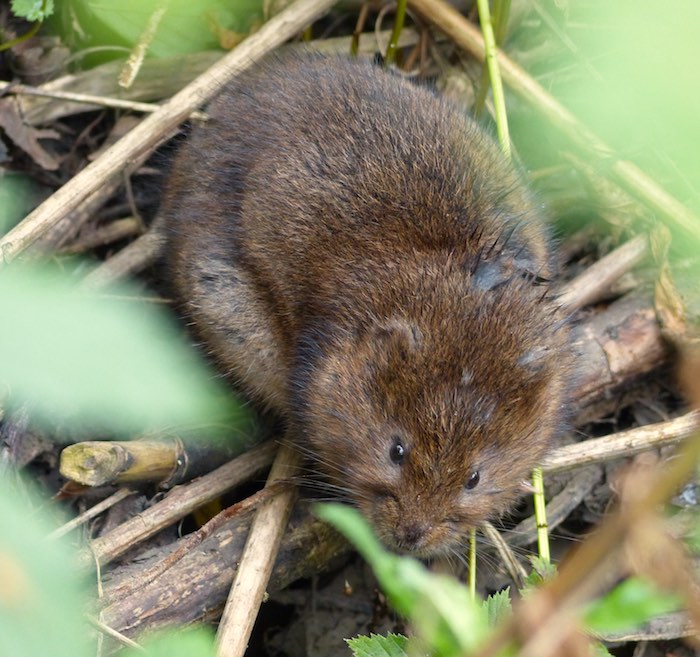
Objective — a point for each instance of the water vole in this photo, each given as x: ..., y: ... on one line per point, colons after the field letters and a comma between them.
x: 358, y: 256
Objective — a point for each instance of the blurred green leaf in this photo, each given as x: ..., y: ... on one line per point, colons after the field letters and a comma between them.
x: 374, y: 645
x: 41, y: 600
x: 440, y: 608
x: 177, y: 643
x: 185, y: 27
x: 33, y: 10
x: 628, y: 605
x: 18, y: 195
x: 116, y: 364
x: 498, y: 607
x: 543, y: 570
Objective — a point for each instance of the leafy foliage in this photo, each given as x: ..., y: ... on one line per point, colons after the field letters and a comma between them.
x: 441, y: 609
x: 33, y: 10
x: 41, y: 599
x: 448, y: 622
x: 184, y: 27
x: 542, y: 571
x: 116, y: 364
x: 498, y: 607
x: 628, y: 605
x: 374, y: 645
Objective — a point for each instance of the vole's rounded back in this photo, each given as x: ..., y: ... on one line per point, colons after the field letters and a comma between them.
x: 359, y: 256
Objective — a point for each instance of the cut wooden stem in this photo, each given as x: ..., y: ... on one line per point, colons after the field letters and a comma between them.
x: 257, y: 560
x: 97, y: 463
x: 168, y: 461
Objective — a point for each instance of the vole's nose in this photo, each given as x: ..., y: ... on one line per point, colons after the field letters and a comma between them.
x: 410, y: 536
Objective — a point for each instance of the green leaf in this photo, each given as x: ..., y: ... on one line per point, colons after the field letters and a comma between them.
x: 185, y: 27
x: 599, y: 650
x: 32, y: 10
x: 542, y: 571
x: 41, y: 600
x: 392, y: 645
x: 19, y: 194
x: 628, y: 605
x: 498, y: 607
x: 440, y: 608
x: 116, y: 364
x: 198, y: 642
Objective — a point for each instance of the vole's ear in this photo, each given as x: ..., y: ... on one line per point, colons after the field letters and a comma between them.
x: 533, y: 362
x: 526, y: 487
x: 398, y: 338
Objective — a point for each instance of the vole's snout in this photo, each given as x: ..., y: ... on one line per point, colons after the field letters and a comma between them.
x: 410, y: 536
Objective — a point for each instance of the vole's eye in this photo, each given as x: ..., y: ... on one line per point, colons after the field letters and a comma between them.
x: 397, y: 452
x: 473, y: 480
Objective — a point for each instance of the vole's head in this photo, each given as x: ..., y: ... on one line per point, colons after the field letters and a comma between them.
x: 430, y: 423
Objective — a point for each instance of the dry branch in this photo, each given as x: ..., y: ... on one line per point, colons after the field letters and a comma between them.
x: 257, y: 559
x: 615, y: 347
x: 195, y: 587
x: 92, y: 512
x: 622, y: 444
x: 158, y: 78
x: 133, y: 258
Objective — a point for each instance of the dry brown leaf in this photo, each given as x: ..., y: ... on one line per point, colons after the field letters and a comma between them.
x: 25, y: 136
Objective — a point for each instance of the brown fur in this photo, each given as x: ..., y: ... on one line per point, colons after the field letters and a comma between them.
x: 359, y: 256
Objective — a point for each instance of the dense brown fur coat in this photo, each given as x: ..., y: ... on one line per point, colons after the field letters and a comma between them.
x: 359, y: 256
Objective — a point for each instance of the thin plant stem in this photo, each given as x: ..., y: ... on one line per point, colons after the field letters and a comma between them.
x: 396, y: 32
x: 541, y: 515
x: 501, y: 12
x: 499, y: 102
x: 27, y: 35
x: 472, y: 564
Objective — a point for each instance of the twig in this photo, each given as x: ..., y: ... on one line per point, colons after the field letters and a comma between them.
x: 597, y: 279
x: 257, y: 560
x: 559, y: 507
x: 133, y: 258
x: 626, y: 174
x: 88, y: 99
x: 92, y: 512
x: 118, y: 229
x: 624, y: 443
x: 156, y: 127
x: 117, y: 636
